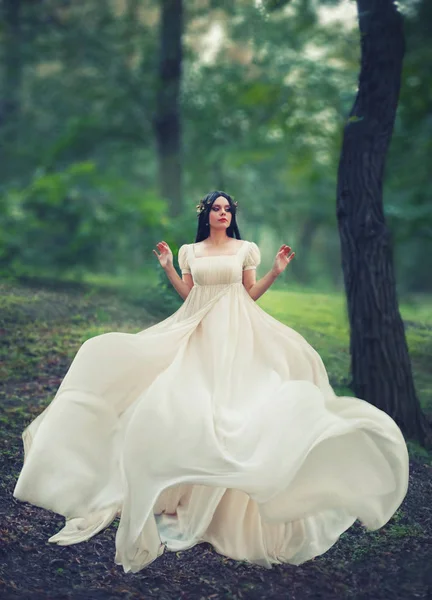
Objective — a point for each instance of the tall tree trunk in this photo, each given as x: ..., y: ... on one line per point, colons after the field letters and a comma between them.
x: 167, y: 119
x: 381, y: 368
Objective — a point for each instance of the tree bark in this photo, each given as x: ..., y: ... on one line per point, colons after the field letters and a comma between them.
x: 381, y: 369
x: 167, y: 119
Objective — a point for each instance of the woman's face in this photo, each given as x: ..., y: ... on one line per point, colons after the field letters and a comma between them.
x: 220, y: 214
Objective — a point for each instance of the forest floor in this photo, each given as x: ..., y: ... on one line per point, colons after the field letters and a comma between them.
x: 41, y: 330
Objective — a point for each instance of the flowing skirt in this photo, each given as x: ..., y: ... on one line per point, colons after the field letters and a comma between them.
x: 216, y: 425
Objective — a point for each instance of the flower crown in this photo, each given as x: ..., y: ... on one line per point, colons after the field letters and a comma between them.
x: 201, y: 206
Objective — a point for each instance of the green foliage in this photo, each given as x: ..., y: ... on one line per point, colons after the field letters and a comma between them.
x: 262, y: 107
x: 72, y: 220
x: 409, y: 182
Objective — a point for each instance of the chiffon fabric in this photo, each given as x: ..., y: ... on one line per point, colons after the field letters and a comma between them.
x: 217, y: 425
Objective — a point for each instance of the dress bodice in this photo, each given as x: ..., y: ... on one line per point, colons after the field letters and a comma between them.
x: 222, y: 269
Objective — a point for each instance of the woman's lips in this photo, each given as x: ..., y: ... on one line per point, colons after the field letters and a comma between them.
x: 223, y: 219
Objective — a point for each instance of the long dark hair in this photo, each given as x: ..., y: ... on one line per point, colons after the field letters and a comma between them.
x: 203, y: 229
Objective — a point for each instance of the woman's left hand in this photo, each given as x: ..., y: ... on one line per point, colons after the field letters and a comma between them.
x: 283, y: 257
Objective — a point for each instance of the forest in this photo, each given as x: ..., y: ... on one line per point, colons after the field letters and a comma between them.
x: 116, y: 118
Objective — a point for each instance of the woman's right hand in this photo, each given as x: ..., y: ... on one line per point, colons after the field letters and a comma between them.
x: 165, y: 257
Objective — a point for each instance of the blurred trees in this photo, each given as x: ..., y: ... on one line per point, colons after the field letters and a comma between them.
x: 409, y: 173
x: 12, y: 66
x: 264, y: 91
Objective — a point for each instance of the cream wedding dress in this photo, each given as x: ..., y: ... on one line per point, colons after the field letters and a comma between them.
x: 217, y: 424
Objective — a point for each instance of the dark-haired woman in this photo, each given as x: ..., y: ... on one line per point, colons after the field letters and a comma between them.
x: 215, y: 425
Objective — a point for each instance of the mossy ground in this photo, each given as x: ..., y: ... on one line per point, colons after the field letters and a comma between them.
x: 41, y: 329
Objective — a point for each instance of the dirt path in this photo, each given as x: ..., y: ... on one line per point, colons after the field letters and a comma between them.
x: 40, y: 333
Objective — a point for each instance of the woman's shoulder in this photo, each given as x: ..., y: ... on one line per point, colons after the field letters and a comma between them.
x: 251, y: 245
x: 183, y: 258
x: 248, y: 244
x: 183, y: 251
x: 252, y: 256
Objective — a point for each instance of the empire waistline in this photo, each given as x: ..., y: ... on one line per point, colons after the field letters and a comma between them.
x: 217, y: 285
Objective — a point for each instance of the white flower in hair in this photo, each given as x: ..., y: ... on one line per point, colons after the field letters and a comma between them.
x: 201, y: 206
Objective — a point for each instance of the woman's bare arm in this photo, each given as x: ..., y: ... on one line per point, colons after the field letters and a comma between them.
x: 182, y: 285
x: 255, y: 288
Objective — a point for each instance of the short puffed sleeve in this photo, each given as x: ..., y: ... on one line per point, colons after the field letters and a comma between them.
x: 252, y: 257
x: 183, y: 259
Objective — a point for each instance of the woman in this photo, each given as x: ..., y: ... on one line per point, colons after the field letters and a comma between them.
x: 217, y: 424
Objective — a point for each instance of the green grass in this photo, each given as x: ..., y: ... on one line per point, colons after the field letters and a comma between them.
x: 323, y: 321
x: 43, y: 328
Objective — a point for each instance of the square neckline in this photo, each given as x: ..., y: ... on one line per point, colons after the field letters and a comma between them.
x: 217, y: 255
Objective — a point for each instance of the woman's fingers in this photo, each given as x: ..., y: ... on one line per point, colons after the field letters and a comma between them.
x: 163, y: 246
x: 285, y: 253
x: 284, y: 250
x: 163, y: 249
